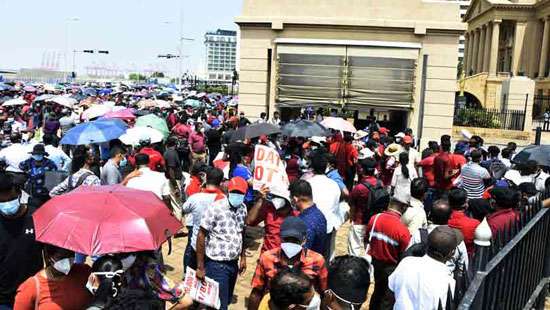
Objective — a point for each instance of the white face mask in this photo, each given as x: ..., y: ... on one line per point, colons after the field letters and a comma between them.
x: 127, y: 262
x: 64, y: 265
x: 315, y: 303
x: 291, y: 249
x: 278, y: 202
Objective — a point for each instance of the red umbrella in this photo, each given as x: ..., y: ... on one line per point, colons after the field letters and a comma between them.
x: 126, y: 114
x: 97, y: 220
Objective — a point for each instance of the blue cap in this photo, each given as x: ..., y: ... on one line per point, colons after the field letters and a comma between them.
x: 293, y: 227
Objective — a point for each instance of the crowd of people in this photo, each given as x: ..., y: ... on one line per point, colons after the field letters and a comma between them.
x: 411, y: 213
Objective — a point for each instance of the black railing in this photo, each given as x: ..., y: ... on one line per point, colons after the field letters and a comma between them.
x: 541, y: 104
x: 489, y: 118
x: 513, y: 272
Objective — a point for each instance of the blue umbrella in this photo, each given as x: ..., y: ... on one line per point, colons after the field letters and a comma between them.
x: 94, y: 132
x: 105, y: 91
x: 89, y: 92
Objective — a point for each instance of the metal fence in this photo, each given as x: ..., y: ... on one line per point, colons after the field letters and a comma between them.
x: 541, y: 104
x: 490, y: 118
x: 513, y: 272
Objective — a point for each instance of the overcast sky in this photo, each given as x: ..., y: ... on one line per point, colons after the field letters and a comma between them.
x: 36, y: 33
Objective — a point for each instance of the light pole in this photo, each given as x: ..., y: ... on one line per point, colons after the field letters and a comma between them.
x: 180, y: 54
x: 66, y: 62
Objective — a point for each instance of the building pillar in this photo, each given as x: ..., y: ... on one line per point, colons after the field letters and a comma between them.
x: 482, y: 48
x: 487, y: 50
x: 475, y: 51
x: 465, y: 59
x: 519, y: 35
x: 494, y: 48
x: 544, y: 49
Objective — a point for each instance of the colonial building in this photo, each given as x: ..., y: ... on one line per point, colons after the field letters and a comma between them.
x: 395, y: 58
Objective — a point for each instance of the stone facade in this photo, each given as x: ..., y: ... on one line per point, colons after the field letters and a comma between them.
x: 385, y: 27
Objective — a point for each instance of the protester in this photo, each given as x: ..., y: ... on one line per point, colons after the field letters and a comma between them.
x: 105, y: 282
x: 197, y: 144
x: 423, y: 282
x: 467, y: 226
x: 388, y: 239
x: 415, y: 216
x: 290, y: 255
x: 60, y: 285
x: 348, y: 283
x: 110, y: 174
x: 148, y: 180
x: 156, y: 161
x: 36, y: 168
x: 505, y: 216
x: 58, y: 156
x: 402, y: 177
x: 198, y: 176
x: 218, y: 255
x: 474, y: 176
x: 443, y: 170
x: 21, y: 254
x: 81, y: 173
x: 289, y: 290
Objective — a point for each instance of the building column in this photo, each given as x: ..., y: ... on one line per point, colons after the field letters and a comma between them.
x: 519, y: 35
x: 465, y: 59
x: 544, y: 49
x: 487, y: 50
x: 475, y: 51
x: 494, y: 48
x: 482, y: 48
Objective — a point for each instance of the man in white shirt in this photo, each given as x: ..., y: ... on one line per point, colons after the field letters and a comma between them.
x: 14, y: 154
x: 149, y: 180
x: 423, y: 282
x: 415, y: 216
x: 414, y: 155
x: 61, y: 160
x: 326, y: 195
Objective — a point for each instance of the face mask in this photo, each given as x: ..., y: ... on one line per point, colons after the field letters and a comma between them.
x: 90, y: 286
x: 278, y: 202
x: 38, y: 157
x: 64, y: 265
x: 127, y: 262
x: 291, y: 249
x: 235, y: 200
x: 315, y: 303
x: 11, y: 207
x: 123, y: 162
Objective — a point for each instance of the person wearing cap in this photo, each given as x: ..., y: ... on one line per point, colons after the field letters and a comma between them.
x: 440, y: 215
x: 423, y: 282
x: 220, y: 240
x: 348, y: 283
x: 414, y: 156
x: 156, y: 160
x: 35, y: 168
x: 272, y: 212
x: 290, y: 255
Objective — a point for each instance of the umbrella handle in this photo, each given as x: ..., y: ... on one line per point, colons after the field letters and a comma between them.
x: 169, y: 245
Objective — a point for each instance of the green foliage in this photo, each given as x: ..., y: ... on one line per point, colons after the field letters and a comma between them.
x: 222, y: 89
x: 137, y: 77
x: 157, y: 75
x: 477, y: 118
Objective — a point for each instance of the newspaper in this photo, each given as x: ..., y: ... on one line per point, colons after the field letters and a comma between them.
x: 206, y: 293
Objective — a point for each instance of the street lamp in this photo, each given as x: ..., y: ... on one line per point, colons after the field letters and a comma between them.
x: 66, y: 62
x: 180, y: 52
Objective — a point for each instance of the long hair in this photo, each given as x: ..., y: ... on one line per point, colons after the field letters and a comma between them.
x: 404, y: 161
x: 80, y: 154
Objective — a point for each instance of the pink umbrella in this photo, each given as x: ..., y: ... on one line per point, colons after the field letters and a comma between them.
x: 126, y: 114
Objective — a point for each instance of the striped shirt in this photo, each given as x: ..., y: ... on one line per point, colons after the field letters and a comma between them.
x: 472, y: 179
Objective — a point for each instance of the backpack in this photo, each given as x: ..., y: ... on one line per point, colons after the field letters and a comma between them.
x: 418, y: 249
x: 379, y: 198
x: 497, y: 169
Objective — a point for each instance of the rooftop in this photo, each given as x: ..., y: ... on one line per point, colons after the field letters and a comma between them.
x: 222, y: 32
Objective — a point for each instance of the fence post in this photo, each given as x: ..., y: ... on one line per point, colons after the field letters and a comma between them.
x: 538, y: 135
x: 482, y: 241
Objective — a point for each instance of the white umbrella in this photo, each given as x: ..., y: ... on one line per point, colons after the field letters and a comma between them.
x: 96, y: 110
x: 64, y: 101
x: 14, y: 102
x: 46, y: 97
x: 135, y: 134
x: 163, y: 104
x: 338, y: 123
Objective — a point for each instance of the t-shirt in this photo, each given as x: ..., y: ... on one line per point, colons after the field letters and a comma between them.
x: 20, y: 254
x: 427, y: 169
x: 173, y: 162
x: 472, y: 179
x: 442, y: 164
x: 67, y: 293
x: 402, y: 184
x: 272, y: 225
x: 326, y: 195
x: 155, y: 158
x: 110, y: 174
x: 316, y: 223
x: 245, y: 173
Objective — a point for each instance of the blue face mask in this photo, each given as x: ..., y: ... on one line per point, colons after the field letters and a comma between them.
x: 10, y: 208
x: 123, y: 162
x: 38, y: 157
x: 235, y: 199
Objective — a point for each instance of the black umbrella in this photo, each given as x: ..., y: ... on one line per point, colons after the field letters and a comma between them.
x: 254, y: 130
x: 305, y: 129
x: 538, y: 153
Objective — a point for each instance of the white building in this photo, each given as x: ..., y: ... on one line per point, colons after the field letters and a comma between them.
x: 221, y: 55
x: 464, y: 5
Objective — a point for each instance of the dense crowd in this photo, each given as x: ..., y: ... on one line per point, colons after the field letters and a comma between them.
x: 412, y: 213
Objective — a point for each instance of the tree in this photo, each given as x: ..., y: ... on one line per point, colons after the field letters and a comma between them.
x: 137, y: 77
x: 157, y: 75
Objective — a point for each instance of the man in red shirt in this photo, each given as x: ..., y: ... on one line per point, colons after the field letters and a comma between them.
x: 505, y: 215
x: 156, y: 160
x: 442, y: 167
x: 359, y: 213
x: 427, y: 165
x: 459, y: 220
x: 388, y: 239
x: 197, y: 144
x: 272, y: 213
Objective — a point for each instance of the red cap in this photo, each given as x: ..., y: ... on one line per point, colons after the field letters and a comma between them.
x: 237, y: 184
x: 407, y: 140
x: 383, y: 130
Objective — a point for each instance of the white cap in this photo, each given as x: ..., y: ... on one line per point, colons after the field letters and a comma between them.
x: 400, y: 135
x: 365, y: 153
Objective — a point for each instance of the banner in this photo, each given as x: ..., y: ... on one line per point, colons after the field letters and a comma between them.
x: 206, y: 293
x: 270, y: 170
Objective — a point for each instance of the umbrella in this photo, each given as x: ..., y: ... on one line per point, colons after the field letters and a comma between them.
x: 29, y: 89
x: 5, y: 87
x: 135, y: 134
x: 194, y: 103
x: 94, y: 132
x: 14, y: 102
x: 43, y: 98
x: 64, y: 101
x: 303, y: 128
x: 254, y: 131
x: 124, y: 114
x: 89, y: 92
x: 97, y: 220
x: 538, y: 153
x: 338, y: 123
x: 96, y: 110
x: 163, y: 104
x: 153, y: 121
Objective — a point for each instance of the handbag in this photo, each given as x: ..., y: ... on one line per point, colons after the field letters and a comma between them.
x: 367, y: 248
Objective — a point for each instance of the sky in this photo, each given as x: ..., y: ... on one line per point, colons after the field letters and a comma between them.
x: 36, y: 33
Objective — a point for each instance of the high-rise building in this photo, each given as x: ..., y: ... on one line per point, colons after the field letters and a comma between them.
x: 464, y: 5
x: 221, y: 54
